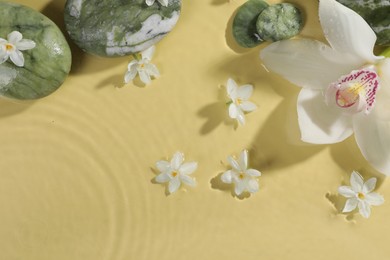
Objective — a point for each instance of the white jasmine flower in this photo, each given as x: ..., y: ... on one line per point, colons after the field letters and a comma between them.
x: 162, y: 2
x: 12, y: 47
x: 360, y: 195
x: 176, y: 172
x: 239, y: 100
x: 244, y: 179
x: 143, y: 67
x: 345, y: 87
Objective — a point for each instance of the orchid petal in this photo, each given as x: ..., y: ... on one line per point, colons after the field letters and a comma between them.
x: 174, y: 185
x: 373, y: 138
x: 320, y: 124
x: 374, y: 199
x: 14, y: 37
x: 346, y: 191
x: 356, y: 181
x: 369, y: 185
x: 306, y: 63
x: 248, y: 106
x: 364, y: 209
x: 148, y: 53
x: 177, y: 160
x: 17, y: 58
x: 382, y: 104
x: 163, y: 177
x: 244, y: 92
x: 339, y: 24
x: 350, y: 205
x: 227, y: 176
x: 188, y: 168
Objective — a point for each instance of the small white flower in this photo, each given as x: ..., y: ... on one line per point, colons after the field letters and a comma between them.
x: 176, y: 172
x: 162, y: 2
x: 243, y: 178
x: 239, y: 100
x: 143, y: 67
x: 12, y: 47
x: 360, y: 195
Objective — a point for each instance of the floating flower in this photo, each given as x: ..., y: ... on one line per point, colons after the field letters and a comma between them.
x: 345, y: 87
x: 143, y: 67
x: 162, y: 2
x: 239, y: 100
x: 176, y: 172
x: 360, y: 195
x: 244, y: 179
x: 12, y: 47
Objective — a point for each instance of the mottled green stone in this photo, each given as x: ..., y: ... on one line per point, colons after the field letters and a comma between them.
x: 46, y: 66
x: 113, y: 28
x: 377, y: 15
x: 279, y: 22
x: 244, y: 23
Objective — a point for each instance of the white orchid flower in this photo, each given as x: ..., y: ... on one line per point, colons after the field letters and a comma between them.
x: 143, y: 67
x: 244, y: 179
x: 12, y: 47
x: 176, y: 172
x: 162, y: 2
x: 345, y: 87
x: 360, y: 195
x: 239, y: 100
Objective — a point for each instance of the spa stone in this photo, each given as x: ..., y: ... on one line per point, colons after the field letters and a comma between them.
x: 46, y: 66
x: 112, y: 28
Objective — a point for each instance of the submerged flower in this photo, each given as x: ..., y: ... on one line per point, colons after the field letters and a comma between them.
x: 12, y: 47
x: 360, y: 195
x: 244, y: 179
x: 176, y: 172
x: 239, y: 100
x: 162, y: 2
x: 345, y: 87
x: 143, y: 67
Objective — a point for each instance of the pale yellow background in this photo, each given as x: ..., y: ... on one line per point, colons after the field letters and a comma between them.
x: 77, y: 167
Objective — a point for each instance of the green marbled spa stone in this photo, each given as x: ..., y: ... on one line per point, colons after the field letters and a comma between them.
x: 244, y: 23
x: 45, y: 67
x: 113, y: 28
x: 377, y: 15
x: 279, y: 22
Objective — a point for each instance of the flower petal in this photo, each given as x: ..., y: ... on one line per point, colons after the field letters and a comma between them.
x: 374, y: 199
x: 150, y: 2
x: 350, y: 205
x: 320, y: 124
x: 347, y: 191
x: 244, y: 92
x: 364, y: 209
x: 382, y: 104
x: 233, y: 111
x: 253, y: 172
x: 163, y: 2
x: 369, y: 185
x: 163, y: 165
x: 17, y: 58
x: 130, y: 75
x: 144, y: 76
x: 356, y: 181
x: 163, y: 177
x: 148, y: 53
x: 306, y: 63
x: 231, y: 88
x: 240, y: 117
x: 373, y: 138
x: 248, y: 106
x: 227, y: 176
x: 177, y: 160
x: 243, y: 161
x: 253, y: 186
x: 188, y: 180
x: 240, y: 187
x: 131, y: 64
x: 152, y: 70
x: 174, y: 185
x: 346, y: 31
x: 234, y: 163
x: 25, y: 45
x: 3, y: 57
x: 188, y: 168
x: 14, y: 37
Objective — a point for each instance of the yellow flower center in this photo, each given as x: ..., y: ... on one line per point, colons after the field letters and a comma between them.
x: 361, y: 196
x: 241, y: 176
x: 239, y: 101
x: 174, y: 174
x: 9, y: 47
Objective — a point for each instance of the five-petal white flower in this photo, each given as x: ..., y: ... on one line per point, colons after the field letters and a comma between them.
x: 176, y: 172
x: 143, y: 67
x: 162, y: 2
x: 345, y: 87
x: 244, y: 179
x: 360, y: 195
x: 12, y: 47
x: 239, y: 100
